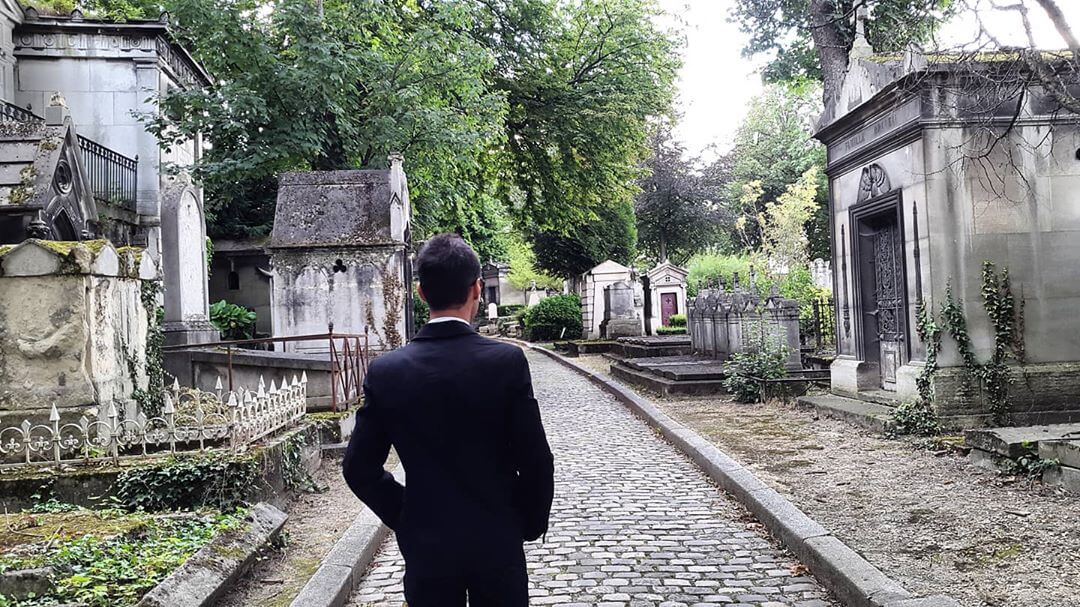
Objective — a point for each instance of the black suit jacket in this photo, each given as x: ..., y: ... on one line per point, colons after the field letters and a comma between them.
x: 459, y: 410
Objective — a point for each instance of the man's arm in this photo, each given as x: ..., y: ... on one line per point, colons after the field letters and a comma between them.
x: 364, y: 460
x: 532, y: 455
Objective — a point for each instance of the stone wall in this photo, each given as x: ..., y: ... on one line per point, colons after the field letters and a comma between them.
x: 356, y: 290
x: 73, y: 326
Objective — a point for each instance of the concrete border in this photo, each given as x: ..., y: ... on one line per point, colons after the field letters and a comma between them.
x: 347, y: 561
x: 848, y: 576
x: 204, y: 577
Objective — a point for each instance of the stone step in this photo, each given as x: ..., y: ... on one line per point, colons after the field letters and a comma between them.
x: 1014, y: 442
x: 1066, y: 452
x: 859, y: 412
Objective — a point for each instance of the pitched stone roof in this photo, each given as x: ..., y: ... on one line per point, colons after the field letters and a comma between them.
x: 40, y: 171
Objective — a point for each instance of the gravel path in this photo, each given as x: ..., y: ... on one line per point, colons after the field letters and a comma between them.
x: 634, y: 523
x: 935, y: 523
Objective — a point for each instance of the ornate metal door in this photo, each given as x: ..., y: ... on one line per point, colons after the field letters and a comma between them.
x: 889, y: 300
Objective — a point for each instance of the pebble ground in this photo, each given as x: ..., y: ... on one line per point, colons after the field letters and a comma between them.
x: 634, y: 523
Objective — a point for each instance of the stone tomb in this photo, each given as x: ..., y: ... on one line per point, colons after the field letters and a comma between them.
x: 591, y: 289
x: 339, y: 256
x: 73, y: 327
x: 918, y: 204
x: 667, y: 286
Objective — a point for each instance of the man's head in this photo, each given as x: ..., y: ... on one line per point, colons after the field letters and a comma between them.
x: 449, y: 273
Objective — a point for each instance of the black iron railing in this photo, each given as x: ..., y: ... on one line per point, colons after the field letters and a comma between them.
x: 818, y: 325
x: 9, y: 112
x: 113, y: 177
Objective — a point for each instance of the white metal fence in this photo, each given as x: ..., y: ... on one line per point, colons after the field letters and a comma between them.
x: 190, y: 420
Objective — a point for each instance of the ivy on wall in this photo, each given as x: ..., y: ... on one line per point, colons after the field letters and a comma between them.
x: 151, y: 400
x: 994, y: 377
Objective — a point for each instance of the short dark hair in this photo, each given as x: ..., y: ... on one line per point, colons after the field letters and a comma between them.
x: 447, y: 267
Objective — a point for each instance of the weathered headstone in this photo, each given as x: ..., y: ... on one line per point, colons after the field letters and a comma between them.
x: 620, y: 313
x: 183, y: 253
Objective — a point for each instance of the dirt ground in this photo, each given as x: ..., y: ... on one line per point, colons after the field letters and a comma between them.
x: 316, y: 521
x: 931, y: 520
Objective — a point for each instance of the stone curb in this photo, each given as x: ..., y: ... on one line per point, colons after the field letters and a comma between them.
x: 204, y: 577
x: 848, y: 576
x: 347, y: 561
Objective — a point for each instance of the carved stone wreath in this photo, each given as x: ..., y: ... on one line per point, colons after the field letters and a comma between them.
x: 873, y: 183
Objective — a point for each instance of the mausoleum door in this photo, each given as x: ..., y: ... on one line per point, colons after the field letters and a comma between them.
x: 883, y: 301
x: 669, y: 305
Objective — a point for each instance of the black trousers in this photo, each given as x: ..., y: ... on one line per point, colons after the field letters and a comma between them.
x: 497, y: 587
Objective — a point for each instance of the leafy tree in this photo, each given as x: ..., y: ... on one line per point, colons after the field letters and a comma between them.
x: 581, y: 81
x: 523, y: 272
x: 774, y: 147
x: 611, y: 235
x: 677, y: 215
x: 342, y: 87
x: 812, y: 38
x: 783, y: 227
x: 530, y: 111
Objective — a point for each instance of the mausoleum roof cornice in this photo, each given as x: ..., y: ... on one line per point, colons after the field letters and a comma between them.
x: 91, y: 38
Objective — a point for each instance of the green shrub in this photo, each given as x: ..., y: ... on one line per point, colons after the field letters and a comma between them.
x: 554, y: 318
x: 234, y: 322
x: 745, y: 370
x: 671, y: 330
x: 705, y: 268
x: 510, y: 309
x: 421, y: 311
x: 676, y: 320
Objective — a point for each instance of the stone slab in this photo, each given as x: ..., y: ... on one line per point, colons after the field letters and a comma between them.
x: 861, y: 413
x: 1066, y: 477
x: 346, y: 562
x: 846, y: 574
x: 665, y: 386
x: 26, y: 583
x: 204, y: 577
x: 657, y: 341
x: 1066, y: 452
x: 1013, y: 442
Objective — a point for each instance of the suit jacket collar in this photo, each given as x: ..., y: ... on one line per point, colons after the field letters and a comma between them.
x: 442, y: 330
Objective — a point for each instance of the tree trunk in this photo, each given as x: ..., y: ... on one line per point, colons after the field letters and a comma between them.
x: 832, y: 46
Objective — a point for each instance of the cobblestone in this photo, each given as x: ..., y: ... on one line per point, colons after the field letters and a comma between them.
x: 633, y: 524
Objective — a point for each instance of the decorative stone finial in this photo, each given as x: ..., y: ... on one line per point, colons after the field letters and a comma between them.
x: 57, y: 110
x: 861, y: 48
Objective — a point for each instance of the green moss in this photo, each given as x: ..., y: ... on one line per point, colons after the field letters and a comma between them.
x: 28, y: 528
x: 329, y: 416
x: 136, y: 251
x: 5, y: 249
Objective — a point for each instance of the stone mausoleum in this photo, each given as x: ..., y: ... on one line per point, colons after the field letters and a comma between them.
x: 339, y: 256
x: 105, y: 76
x: 932, y: 173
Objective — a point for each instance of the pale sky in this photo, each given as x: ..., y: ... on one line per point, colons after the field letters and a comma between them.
x: 716, y: 82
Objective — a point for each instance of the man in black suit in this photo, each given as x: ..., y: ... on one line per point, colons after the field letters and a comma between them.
x: 460, y: 412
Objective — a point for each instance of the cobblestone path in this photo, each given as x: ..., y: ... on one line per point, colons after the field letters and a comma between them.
x: 634, y: 523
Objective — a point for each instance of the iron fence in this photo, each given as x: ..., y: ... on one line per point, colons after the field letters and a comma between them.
x: 818, y: 325
x: 190, y: 420
x: 113, y: 177
x: 348, y: 357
